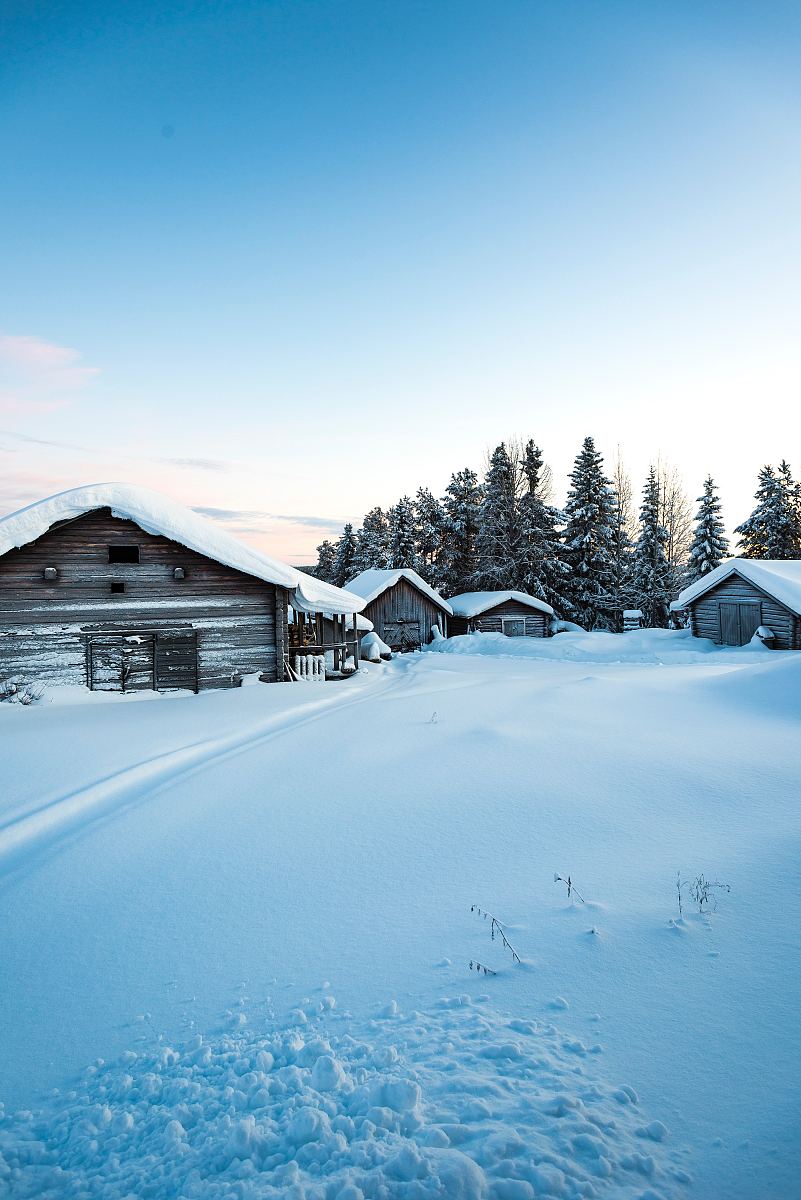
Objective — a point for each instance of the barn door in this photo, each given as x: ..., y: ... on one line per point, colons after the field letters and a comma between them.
x: 750, y: 620
x: 176, y: 659
x: 120, y: 662
x: 738, y: 622
x: 402, y: 634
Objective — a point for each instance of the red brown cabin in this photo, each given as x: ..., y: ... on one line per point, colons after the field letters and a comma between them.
x: 120, y: 589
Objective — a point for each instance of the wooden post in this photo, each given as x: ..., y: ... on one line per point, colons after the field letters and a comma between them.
x: 355, y: 643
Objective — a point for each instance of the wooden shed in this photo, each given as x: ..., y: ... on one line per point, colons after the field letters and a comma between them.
x: 744, y: 596
x: 402, y: 607
x: 515, y: 614
x: 120, y: 589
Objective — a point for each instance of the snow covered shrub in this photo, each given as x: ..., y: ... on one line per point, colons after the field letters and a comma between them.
x: 703, y: 891
x: 572, y: 890
x: 14, y: 692
x: 496, y: 929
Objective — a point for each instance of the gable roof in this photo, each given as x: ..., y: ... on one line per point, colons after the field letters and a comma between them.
x: 780, y: 578
x: 159, y: 515
x: 471, y: 604
x: 373, y: 582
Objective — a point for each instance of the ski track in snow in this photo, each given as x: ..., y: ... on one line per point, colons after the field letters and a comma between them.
x: 67, y: 814
x: 459, y: 1102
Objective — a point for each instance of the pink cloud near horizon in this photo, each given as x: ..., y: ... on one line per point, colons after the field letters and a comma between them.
x: 39, y: 376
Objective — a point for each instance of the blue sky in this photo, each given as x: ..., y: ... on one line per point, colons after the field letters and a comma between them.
x: 289, y: 260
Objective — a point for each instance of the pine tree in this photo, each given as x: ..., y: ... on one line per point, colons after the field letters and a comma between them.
x: 588, y: 541
x: 542, y: 570
x: 499, y: 548
x: 461, y: 505
x: 324, y: 568
x: 402, y: 551
x: 651, y: 575
x: 372, y: 542
x: 343, y: 570
x: 773, y: 529
x: 429, y: 524
x: 710, y: 545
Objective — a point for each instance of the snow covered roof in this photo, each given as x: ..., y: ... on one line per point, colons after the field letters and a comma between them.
x: 159, y: 515
x: 372, y: 583
x: 471, y: 604
x: 780, y: 578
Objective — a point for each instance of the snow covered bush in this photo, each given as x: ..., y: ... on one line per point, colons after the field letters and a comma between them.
x: 14, y: 692
x: 702, y: 891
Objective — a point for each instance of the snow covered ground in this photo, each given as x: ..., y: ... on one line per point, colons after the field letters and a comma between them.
x: 255, y: 908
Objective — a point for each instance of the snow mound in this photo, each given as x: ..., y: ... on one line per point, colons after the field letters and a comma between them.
x: 373, y: 649
x: 646, y: 646
x: 314, y: 1115
x: 771, y: 687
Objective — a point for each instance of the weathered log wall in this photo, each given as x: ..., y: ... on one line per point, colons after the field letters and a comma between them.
x: 240, y: 622
x: 705, y: 616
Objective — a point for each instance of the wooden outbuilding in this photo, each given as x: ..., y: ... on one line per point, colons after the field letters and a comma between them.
x: 402, y: 607
x: 743, y: 597
x: 120, y: 589
x: 515, y: 614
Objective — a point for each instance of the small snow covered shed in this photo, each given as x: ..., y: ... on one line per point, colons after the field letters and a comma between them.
x: 742, y: 596
x: 121, y: 589
x: 402, y: 607
x: 514, y: 613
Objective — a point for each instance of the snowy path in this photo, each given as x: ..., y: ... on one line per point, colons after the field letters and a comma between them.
x: 350, y: 849
x: 37, y: 826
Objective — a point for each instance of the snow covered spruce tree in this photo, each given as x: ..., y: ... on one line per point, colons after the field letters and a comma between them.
x: 372, y: 542
x: 588, y: 541
x: 461, y: 505
x: 324, y: 567
x: 343, y: 570
x: 651, y: 574
x: 499, y: 544
x: 623, y: 527
x: 773, y: 529
x: 710, y: 545
x: 429, y: 527
x: 402, y: 549
x: 542, y: 571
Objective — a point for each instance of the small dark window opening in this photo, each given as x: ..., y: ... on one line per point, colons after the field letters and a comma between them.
x: 123, y: 554
x: 117, y: 586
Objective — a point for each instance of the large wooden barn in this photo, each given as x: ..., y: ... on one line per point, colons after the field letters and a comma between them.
x: 120, y: 589
x: 402, y: 607
x: 515, y: 614
x: 743, y: 596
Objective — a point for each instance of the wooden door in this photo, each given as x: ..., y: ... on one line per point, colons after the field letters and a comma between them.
x: 738, y: 622
x: 750, y: 620
x: 121, y: 662
x: 176, y: 659
x: 402, y: 633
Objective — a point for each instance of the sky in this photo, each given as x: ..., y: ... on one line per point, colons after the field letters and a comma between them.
x: 288, y: 260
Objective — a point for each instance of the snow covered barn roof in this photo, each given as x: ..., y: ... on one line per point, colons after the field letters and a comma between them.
x: 159, y: 515
x: 372, y: 583
x: 780, y: 578
x: 472, y: 604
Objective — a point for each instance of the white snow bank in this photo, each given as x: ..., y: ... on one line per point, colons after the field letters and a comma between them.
x: 780, y: 578
x: 373, y: 649
x: 327, y: 1110
x: 157, y: 514
x: 372, y: 583
x: 472, y: 604
x: 638, y: 646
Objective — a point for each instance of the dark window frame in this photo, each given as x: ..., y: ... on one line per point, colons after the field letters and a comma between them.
x: 117, y: 587
x: 124, y: 553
